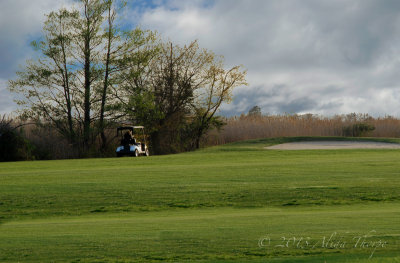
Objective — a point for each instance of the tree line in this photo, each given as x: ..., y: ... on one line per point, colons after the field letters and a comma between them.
x: 91, y: 73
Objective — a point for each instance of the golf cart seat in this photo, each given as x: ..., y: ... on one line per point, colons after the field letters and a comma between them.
x: 129, y: 145
x: 128, y: 141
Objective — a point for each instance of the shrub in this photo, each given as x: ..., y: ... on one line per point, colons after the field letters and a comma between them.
x: 13, y: 147
x: 358, y: 129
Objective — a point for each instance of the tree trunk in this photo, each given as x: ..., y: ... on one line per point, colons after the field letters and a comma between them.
x: 198, y: 137
x: 155, y: 142
x: 105, y: 86
x: 68, y: 97
x: 87, y: 75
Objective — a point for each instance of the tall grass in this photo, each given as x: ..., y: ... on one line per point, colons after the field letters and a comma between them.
x: 247, y: 127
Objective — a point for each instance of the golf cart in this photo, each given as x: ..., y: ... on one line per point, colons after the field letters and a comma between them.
x: 129, y: 146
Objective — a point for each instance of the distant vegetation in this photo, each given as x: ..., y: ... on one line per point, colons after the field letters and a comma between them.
x: 254, y: 126
x: 43, y: 142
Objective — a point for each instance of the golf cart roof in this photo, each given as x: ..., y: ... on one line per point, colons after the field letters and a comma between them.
x: 129, y: 128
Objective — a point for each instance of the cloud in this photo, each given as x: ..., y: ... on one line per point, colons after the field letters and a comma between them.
x: 6, y: 99
x: 329, y: 56
x: 21, y: 22
x: 318, y: 56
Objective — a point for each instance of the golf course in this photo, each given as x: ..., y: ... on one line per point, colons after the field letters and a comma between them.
x: 238, y: 202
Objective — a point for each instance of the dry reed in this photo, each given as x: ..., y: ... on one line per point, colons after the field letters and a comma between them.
x: 247, y: 127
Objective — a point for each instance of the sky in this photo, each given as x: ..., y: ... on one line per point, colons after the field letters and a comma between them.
x: 323, y: 57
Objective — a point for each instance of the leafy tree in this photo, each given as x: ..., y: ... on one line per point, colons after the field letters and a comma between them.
x: 358, y: 129
x: 88, y: 41
x: 127, y: 52
x: 47, y: 84
x: 81, y: 56
x: 255, y: 111
x: 182, y: 88
x: 216, y: 90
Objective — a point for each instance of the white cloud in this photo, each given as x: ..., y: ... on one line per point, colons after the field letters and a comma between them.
x: 7, y: 104
x: 190, y: 24
x: 315, y: 56
x: 318, y: 56
x: 21, y: 22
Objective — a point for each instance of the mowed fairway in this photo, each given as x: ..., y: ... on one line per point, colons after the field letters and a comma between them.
x: 236, y: 202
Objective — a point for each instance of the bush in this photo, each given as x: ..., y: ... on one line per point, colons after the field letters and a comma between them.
x: 358, y: 129
x: 13, y: 147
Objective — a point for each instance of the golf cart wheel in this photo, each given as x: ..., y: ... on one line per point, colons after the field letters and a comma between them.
x: 136, y: 154
x: 146, y: 152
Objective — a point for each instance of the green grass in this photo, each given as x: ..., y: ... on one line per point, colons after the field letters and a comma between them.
x: 213, y: 205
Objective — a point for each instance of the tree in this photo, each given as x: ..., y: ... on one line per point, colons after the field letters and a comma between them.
x: 81, y: 56
x: 90, y: 73
x: 255, y: 111
x: 110, y: 37
x: 47, y: 83
x: 182, y: 88
x: 126, y: 54
x: 217, y: 89
x: 88, y: 41
x: 177, y: 73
